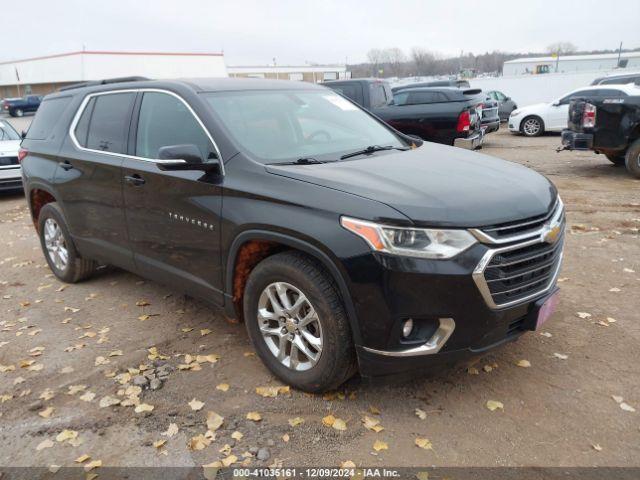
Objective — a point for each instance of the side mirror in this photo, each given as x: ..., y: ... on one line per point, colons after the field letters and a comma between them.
x: 23, y: 134
x: 556, y: 103
x: 184, y: 157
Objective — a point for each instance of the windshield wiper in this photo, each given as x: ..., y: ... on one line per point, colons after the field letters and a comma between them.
x: 371, y: 149
x: 300, y: 161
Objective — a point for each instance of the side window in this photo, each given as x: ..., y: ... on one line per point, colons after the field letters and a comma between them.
x: 401, y: 98
x: 501, y: 97
x: 165, y: 120
x: 417, y: 98
x: 611, y: 93
x: 109, y: 124
x: 568, y: 98
x: 353, y: 91
x: 378, y: 95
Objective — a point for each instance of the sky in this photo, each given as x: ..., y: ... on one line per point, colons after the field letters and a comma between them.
x: 255, y: 32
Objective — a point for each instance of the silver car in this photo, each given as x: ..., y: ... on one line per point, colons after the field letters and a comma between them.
x: 10, y: 173
x: 506, y: 104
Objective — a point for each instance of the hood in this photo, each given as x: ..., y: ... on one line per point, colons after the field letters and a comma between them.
x: 436, y: 185
x: 9, y: 148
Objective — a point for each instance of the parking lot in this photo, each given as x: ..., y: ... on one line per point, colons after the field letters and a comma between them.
x: 570, y: 394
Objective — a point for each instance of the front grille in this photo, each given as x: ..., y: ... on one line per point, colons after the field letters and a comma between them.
x: 531, y: 224
x: 8, y: 161
x: 522, y: 272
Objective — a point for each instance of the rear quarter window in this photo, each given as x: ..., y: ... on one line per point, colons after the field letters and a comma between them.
x: 47, y: 117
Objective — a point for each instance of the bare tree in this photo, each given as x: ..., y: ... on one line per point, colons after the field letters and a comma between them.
x: 562, y: 48
x: 375, y: 57
x: 395, y: 58
x: 423, y: 61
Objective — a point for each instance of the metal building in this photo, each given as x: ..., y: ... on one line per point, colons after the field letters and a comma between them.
x: 571, y: 63
x: 306, y: 73
x: 42, y: 75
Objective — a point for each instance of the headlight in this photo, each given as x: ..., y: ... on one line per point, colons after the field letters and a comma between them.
x: 515, y: 113
x: 410, y: 242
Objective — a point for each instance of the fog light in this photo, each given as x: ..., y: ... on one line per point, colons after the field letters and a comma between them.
x: 407, y: 328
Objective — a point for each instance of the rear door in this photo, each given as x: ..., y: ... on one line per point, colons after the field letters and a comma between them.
x: 89, y: 177
x: 173, y: 217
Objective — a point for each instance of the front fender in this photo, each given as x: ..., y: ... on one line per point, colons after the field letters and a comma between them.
x: 312, y: 250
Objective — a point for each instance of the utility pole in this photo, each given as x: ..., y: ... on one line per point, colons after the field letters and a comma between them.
x: 619, y: 54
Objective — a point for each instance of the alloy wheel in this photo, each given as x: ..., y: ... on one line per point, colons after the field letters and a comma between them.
x: 290, y: 326
x: 55, y: 243
x: 531, y: 127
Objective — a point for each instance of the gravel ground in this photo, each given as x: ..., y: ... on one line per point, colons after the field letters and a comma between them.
x: 64, y: 349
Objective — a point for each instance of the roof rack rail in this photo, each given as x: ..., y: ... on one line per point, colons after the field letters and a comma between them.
x: 106, y: 81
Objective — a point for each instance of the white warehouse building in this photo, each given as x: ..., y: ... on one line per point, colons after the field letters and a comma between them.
x: 305, y: 73
x: 571, y: 64
x: 42, y: 75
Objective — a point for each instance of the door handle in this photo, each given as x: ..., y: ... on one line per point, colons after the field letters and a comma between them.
x: 134, y: 179
x: 66, y: 165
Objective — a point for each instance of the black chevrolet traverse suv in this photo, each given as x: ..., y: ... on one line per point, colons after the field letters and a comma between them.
x: 341, y: 243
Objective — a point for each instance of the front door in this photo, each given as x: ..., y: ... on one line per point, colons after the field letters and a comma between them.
x: 173, y: 217
x: 558, y: 117
x: 89, y: 178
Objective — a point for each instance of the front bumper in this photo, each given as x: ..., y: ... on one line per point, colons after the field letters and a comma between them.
x: 10, y: 178
x: 458, y: 313
x: 472, y: 142
x: 577, y: 141
x: 507, y: 327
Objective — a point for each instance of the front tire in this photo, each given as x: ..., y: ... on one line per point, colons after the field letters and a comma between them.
x: 58, y: 248
x: 633, y: 159
x: 297, y: 323
x: 532, y: 126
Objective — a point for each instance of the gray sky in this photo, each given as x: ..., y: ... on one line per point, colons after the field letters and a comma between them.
x: 253, y: 32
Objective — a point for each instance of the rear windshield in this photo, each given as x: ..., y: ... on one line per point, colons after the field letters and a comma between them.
x: 46, y: 118
x: 7, y: 132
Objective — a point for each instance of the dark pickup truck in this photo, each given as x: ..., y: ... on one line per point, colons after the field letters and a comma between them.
x: 17, y: 107
x: 444, y: 115
x: 609, y: 125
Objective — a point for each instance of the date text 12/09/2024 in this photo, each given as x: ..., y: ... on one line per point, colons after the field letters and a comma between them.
x: 350, y: 472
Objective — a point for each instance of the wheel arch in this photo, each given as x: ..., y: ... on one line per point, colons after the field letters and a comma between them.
x: 38, y: 197
x: 252, y: 246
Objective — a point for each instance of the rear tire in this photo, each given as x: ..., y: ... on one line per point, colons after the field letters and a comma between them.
x: 285, y: 280
x: 633, y: 159
x: 18, y: 112
x: 58, y: 248
x: 618, y: 160
x: 532, y: 126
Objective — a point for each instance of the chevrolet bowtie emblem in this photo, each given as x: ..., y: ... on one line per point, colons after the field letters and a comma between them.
x: 551, y: 234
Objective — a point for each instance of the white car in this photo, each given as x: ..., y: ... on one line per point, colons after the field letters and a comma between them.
x: 10, y: 173
x: 534, y: 120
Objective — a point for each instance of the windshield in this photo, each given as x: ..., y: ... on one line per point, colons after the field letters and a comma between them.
x: 7, y: 132
x: 281, y: 125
